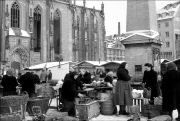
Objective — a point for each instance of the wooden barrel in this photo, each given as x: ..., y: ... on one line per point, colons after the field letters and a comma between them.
x: 107, y: 107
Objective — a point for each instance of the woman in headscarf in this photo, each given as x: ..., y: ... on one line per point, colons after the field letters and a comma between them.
x: 9, y: 83
x: 69, y: 93
x: 109, y: 78
x: 123, y: 94
x: 170, y: 90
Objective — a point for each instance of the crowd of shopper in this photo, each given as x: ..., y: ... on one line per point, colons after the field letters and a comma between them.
x: 122, y: 90
x: 25, y: 81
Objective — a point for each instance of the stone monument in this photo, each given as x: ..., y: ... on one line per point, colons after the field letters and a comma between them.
x: 142, y: 42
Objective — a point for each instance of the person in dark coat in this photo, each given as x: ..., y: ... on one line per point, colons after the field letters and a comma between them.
x: 85, y: 76
x: 170, y: 89
x: 69, y: 93
x: 50, y: 75
x: 123, y: 92
x: 109, y: 77
x: 150, y: 81
x: 9, y: 84
x: 28, y: 82
x: 71, y: 69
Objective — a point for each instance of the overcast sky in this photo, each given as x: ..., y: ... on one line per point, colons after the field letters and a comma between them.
x: 115, y: 11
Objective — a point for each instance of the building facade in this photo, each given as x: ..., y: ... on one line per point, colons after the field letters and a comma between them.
x: 168, y: 19
x: 115, y: 50
x: 51, y: 30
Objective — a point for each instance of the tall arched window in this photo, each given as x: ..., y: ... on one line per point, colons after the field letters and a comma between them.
x: 15, y: 15
x: 57, y: 31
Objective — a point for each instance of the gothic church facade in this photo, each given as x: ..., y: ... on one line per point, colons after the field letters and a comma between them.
x: 36, y: 31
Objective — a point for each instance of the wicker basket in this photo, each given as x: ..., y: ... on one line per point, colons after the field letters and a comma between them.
x: 10, y: 117
x: 14, y: 103
x: 37, y: 105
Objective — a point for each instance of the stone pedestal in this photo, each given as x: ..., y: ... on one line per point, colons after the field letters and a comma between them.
x: 140, y: 49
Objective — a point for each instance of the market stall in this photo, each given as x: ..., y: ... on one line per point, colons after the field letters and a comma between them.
x: 58, y: 71
x: 91, y: 66
x: 112, y: 65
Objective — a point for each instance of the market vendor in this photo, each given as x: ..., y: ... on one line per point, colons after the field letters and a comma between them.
x: 85, y: 76
x: 69, y: 93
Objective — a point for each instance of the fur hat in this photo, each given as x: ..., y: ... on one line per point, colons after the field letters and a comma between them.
x: 171, y: 66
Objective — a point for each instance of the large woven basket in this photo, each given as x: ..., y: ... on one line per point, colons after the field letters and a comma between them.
x: 14, y: 103
x: 10, y: 117
x: 37, y: 105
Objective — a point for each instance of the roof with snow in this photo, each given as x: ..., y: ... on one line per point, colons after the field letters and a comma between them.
x: 118, y: 62
x: 141, y: 36
x: 168, y: 11
x: 92, y: 63
x: 47, y: 65
x: 18, y: 32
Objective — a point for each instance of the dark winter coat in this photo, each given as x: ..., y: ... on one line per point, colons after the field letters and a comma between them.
x: 122, y: 74
x: 69, y: 91
x: 50, y: 76
x: 150, y: 78
x: 9, y: 84
x: 86, y: 78
x: 171, y: 90
x: 123, y: 93
x: 108, y: 79
x: 28, y: 82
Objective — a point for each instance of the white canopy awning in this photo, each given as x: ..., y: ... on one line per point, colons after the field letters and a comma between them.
x: 47, y: 65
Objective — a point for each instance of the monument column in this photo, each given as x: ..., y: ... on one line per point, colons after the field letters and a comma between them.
x: 142, y: 42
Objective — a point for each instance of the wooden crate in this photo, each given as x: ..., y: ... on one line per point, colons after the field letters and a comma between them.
x: 87, y: 111
x: 151, y: 111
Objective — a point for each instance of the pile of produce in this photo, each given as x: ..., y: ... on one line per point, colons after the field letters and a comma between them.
x: 137, y: 93
x: 39, y: 117
x: 85, y: 100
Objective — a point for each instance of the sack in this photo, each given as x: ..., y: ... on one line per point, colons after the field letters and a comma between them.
x: 147, y: 93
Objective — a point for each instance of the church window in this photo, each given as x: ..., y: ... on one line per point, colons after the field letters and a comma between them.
x: 15, y: 15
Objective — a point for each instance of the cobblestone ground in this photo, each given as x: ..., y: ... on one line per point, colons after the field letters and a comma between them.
x: 115, y: 117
